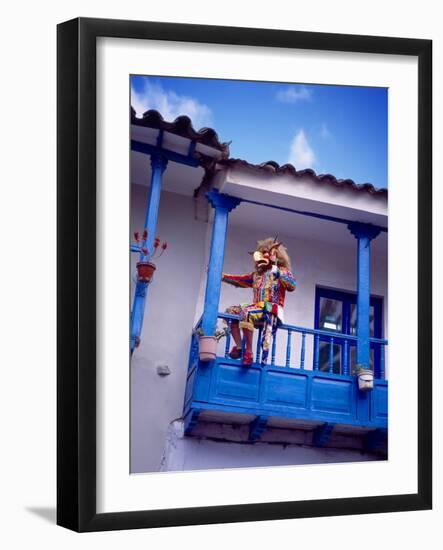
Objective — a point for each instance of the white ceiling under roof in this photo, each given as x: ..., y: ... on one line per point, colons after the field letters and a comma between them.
x: 184, y: 180
x: 273, y: 222
x: 177, y: 178
x: 307, y: 195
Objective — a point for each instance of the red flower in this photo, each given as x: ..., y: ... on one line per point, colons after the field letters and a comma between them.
x: 136, y: 236
x: 145, y: 234
x: 164, y: 247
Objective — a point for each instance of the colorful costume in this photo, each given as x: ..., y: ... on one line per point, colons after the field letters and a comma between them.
x: 269, y: 289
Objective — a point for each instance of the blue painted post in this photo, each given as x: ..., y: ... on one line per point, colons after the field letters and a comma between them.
x: 302, y: 352
x: 258, y: 349
x: 228, y: 339
x: 382, y: 361
x: 364, y: 233
x: 345, y: 358
x: 288, y: 349
x: 316, y: 351
x: 195, y: 345
x: 222, y: 205
x: 331, y: 355
x: 274, y: 342
x: 158, y: 164
x: 193, y: 351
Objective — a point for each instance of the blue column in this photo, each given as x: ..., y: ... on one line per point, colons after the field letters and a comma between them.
x: 364, y: 233
x: 222, y: 205
x: 158, y: 164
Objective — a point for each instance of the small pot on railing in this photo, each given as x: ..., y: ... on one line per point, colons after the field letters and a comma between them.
x: 145, y: 271
x: 365, y: 378
x: 207, y: 348
x: 208, y: 344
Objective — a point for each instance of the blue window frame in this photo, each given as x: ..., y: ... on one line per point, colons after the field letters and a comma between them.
x: 336, y: 311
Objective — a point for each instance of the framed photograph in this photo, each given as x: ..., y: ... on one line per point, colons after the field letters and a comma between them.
x: 244, y: 274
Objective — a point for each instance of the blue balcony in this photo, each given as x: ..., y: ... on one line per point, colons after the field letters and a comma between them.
x: 293, y: 395
x: 299, y: 390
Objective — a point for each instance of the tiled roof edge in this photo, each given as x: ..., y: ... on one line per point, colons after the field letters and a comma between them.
x: 181, y: 126
x: 273, y: 167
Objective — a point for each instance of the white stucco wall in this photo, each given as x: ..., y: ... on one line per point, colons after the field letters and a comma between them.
x: 315, y: 263
x: 168, y: 320
x: 175, y: 301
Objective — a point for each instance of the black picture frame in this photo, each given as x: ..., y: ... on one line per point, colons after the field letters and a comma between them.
x: 76, y: 264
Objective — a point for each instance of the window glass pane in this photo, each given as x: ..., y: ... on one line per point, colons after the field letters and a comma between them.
x: 323, y: 363
x: 331, y: 314
x: 353, y: 323
x: 353, y: 358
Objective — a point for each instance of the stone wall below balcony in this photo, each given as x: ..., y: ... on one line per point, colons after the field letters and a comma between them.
x: 218, y: 446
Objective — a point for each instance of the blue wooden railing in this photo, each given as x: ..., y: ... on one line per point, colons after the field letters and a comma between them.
x: 331, y: 338
x: 193, y: 349
x: 295, y: 388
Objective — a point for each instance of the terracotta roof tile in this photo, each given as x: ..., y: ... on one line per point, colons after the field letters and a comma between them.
x: 181, y: 126
x: 273, y: 167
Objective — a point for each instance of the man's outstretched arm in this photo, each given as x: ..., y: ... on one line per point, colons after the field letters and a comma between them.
x: 244, y: 281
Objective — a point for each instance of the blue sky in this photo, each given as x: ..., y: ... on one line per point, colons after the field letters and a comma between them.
x: 340, y: 130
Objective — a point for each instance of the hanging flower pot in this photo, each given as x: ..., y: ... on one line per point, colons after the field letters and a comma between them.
x: 207, y: 348
x: 208, y: 344
x: 145, y: 271
x: 365, y: 379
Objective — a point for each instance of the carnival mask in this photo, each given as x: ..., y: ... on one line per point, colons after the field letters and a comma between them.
x: 265, y: 257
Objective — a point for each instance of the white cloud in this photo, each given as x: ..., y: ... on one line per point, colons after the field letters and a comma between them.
x: 324, y: 131
x: 170, y: 104
x: 301, y: 154
x: 292, y: 94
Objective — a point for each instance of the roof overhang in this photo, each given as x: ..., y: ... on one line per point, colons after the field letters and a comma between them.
x: 172, y: 142
x: 305, y: 194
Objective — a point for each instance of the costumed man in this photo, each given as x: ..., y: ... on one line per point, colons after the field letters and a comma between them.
x: 270, y: 280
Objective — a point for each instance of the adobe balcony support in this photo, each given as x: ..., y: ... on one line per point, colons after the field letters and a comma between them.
x: 222, y: 204
x: 158, y: 164
x: 364, y: 233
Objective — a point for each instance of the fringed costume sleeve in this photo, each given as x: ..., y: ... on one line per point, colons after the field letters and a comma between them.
x: 287, y: 279
x: 243, y: 281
